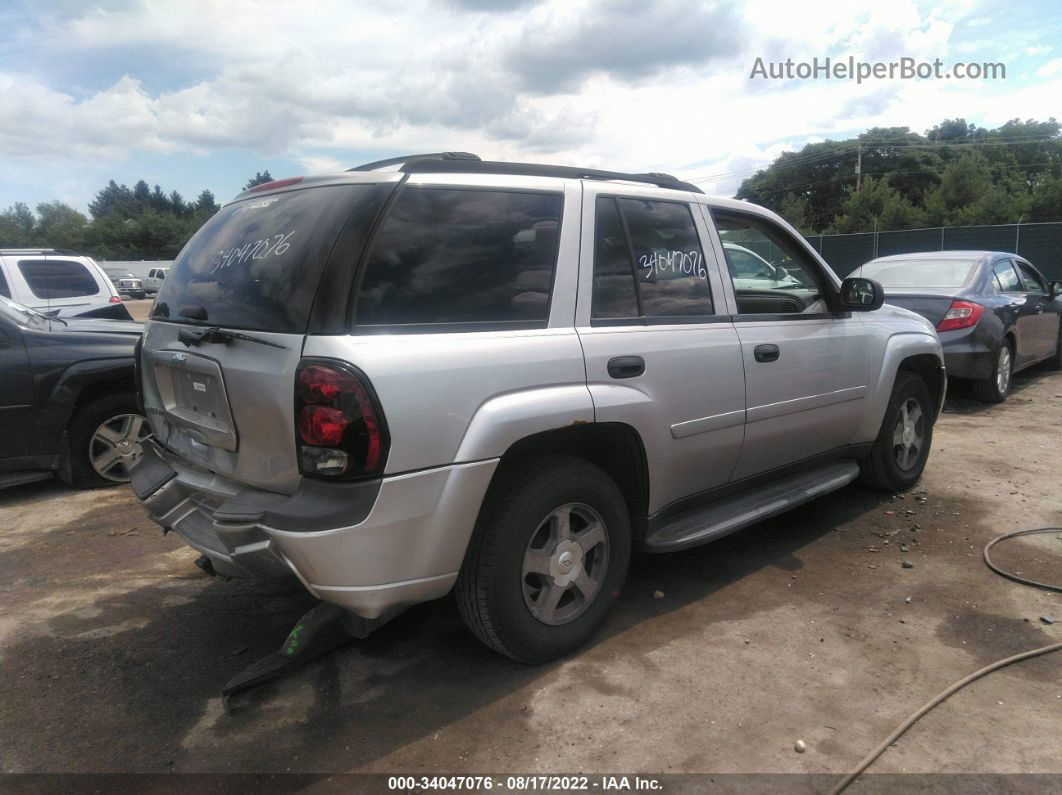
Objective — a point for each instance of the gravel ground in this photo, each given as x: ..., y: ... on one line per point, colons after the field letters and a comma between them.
x: 113, y: 646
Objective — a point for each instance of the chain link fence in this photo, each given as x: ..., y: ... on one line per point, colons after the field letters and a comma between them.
x: 1040, y: 243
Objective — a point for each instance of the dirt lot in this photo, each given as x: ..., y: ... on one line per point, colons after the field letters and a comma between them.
x: 139, y: 309
x: 113, y: 646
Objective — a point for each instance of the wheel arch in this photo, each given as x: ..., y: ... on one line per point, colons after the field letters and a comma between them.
x: 614, y: 447
x: 919, y: 353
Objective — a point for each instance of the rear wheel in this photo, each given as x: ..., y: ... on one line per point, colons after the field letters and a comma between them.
x: 105, y: 439
x: 547, y: 560
x: 996, y: 387
x: 902, y: 447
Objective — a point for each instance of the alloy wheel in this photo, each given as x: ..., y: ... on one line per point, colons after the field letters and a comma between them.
x: 565, y: 564
x: 909, y: 434
x: 116, y: 444
x: 1003, y: 370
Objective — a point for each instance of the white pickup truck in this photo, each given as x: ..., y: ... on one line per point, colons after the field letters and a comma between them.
x: 153, y: 280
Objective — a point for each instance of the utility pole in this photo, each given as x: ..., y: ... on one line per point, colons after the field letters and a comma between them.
x: 859, y: 166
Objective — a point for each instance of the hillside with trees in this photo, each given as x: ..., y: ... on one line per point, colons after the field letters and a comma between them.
x: 956, y: 174
x: 138, y: 223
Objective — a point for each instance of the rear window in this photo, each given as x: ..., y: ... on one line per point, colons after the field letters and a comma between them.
x: 57, y: 278
x: 257, y: 263
x: 462, y: 256
x: 919, y: 272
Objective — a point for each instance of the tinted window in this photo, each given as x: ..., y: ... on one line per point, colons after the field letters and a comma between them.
x: 1006, y: 278
x: 1033, y: 283
x: 447, y: 255
x: 919, y: 272
x: 4, y: 289
x: 256, y: 264
x: 614, y: 291
x: 785, y: 281
x: 56, y: 278
x: 671, y: 275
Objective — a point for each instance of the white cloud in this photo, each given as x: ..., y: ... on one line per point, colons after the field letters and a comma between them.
x: 648, y: 85
x: 1052, y: 68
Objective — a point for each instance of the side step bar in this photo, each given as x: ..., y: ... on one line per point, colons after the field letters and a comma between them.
x: 735, y: 511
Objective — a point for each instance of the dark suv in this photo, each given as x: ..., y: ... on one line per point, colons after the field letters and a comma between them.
x: 67, y: 398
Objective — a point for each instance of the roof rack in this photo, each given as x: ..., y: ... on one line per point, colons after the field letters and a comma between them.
x: 16, y: 251
x: 393, y: 161
x: 468, y: 163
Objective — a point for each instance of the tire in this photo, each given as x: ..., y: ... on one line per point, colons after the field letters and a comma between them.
x: 504, y: 590
x: 883, y: 469
x: 105, y: 409
x: 996, y: 387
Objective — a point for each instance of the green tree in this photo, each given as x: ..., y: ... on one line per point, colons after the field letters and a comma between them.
x: 877, y: 205
x: 114, y: 199
x: 59, y: 226
x: 794, y: 209
x: 1045, y: 203
x: 259, y: 178
x: 16, y: 226
x: 205, y: 203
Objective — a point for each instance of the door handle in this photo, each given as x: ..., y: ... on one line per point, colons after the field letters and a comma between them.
x: 766, y: 353
x: 626, y: 366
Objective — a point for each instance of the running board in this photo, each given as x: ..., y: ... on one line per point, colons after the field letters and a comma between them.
x: 733, y: 512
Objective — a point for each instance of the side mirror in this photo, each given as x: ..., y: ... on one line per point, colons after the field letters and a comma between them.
x: 1054, y: 289
x: 861, y: 295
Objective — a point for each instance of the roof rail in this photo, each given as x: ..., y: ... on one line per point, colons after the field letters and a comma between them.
x: 16, y: 251
x: 422, y: 165
x: 392, y: 161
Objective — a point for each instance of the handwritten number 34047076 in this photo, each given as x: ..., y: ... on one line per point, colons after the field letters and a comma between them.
x: 688, y: 263
x: 274, y: 245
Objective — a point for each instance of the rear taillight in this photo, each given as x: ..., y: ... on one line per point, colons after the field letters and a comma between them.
x: 961, y: 314
x: 339, y: 426
x: 114, y: 299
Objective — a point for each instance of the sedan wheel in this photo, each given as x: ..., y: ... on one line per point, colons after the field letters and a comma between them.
x: 116, y: 444
x: 1004, y: 369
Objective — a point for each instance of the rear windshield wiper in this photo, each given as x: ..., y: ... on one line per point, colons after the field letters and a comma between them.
x: 215, y: 334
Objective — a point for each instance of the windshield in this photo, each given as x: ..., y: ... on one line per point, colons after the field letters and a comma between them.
x: 256, y: 264
x: 919, y: 272
x: 22, y: 315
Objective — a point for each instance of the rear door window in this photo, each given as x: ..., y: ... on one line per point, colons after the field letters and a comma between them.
x: 1006, y: 277
x: 256, y: 264
x: 57, y: 278
x: 648, y: 261
x: 462, y: 256
x: 1033, y: 283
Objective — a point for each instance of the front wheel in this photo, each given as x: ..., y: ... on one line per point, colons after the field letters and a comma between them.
x: 996, y: 387
x: 547, y: 559
x: 900, y: 452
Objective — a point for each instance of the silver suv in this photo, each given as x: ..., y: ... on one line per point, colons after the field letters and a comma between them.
x: 440, y: 373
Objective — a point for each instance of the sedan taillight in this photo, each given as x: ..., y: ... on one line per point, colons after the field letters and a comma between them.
x: 961, y: 314
x: 339, y: 426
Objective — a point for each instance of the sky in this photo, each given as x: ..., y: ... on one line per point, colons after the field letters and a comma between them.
x: 192, y: 95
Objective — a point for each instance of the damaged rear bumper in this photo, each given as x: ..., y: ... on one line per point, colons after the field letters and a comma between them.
x: 372, y: 547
